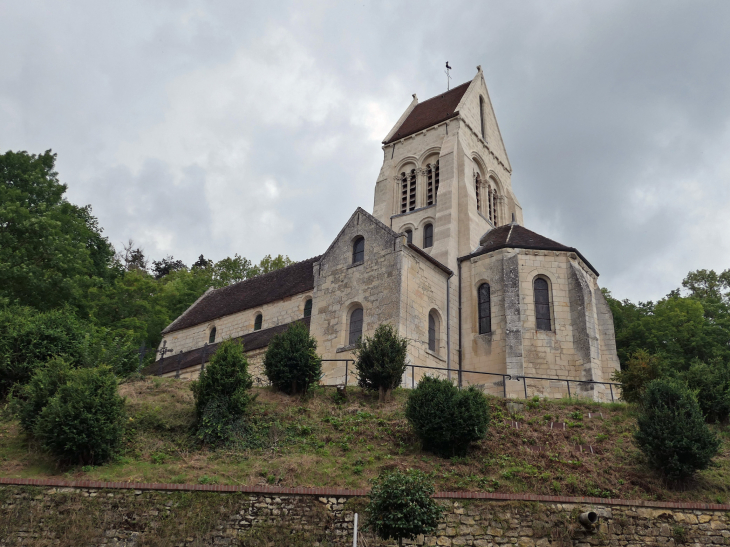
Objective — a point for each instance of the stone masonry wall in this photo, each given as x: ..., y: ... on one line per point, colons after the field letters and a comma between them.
x: 130, y: 518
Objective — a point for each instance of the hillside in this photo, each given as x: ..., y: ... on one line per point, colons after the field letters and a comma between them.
x: 547, y: 447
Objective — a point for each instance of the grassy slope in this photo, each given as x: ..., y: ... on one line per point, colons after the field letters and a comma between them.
x: 323, y: 442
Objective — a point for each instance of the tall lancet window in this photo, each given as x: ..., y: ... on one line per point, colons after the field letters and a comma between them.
x: 494, y: 206
x: 403, y: 193
x: 542, y: 304
x: 481, y: 116
x: 485, y: 308
x: 477, y: 183
x: 412, y: 190
x: 489, y: 200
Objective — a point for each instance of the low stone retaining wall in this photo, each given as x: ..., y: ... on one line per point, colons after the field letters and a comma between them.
x: 49, y: 512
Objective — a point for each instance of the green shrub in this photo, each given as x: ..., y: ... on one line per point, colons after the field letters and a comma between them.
x: 291, y: 362
x: 641, y: 368
x: 672, y: 432
x: 222, y: 393
x: 446, y: 419
x: 83, y: 422
x: 44, y: 384
x: 381, y: 360
x: 401, y: 506
x: 712, y: 384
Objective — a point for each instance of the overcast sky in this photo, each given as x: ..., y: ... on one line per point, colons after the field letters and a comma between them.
x: 255, y: 127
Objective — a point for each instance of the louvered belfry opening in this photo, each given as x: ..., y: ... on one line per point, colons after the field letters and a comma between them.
x: 477, y: 183
x: 412, y: 190
x: 491, y: 209
x: 403, y: 193
x: 494, y: 207
x: 542, y: 304
x: 432, y: 188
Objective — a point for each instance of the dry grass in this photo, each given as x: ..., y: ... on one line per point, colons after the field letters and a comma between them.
x: 321, y: 441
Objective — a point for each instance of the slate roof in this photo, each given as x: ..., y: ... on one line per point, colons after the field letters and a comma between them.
x: 430, y: 112
x: 514, y: 236
x: 260, y: 290
x: 251, y: 341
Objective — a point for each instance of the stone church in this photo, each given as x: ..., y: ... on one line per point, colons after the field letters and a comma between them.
x: 445, y: 258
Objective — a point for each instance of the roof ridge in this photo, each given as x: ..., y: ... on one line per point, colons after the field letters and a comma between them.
x: 261, y: 276
x: 444, y: 93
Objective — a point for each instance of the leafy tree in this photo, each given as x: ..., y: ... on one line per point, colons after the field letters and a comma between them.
x: 28, y: 339
x: 202, y: 263
x: 132, y: 258
x: 222, y: 393
x: 446, y: 419
x: 291, y: 361
x: 401, y: 506
x: 51, y: 251
x: 44, y: 384
x: 381, y: 360
x: 712, y: 385
x: 641, y: 369
x: 672, y: 432
x: 161, y: 268
x: 83, y: 422
x: 269, y: 264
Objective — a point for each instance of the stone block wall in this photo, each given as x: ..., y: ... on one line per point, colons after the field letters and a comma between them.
x: 187, y: 515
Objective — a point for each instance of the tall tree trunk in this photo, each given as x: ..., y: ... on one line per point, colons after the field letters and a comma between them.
x: 381, y: 394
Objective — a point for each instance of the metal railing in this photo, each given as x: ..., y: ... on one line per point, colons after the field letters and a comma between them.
x: 504, y: 378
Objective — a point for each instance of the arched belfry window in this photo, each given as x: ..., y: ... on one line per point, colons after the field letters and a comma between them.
x: 542, y: 304
x: 432, y: 179
x: 494, y: 207
x: 358, y: 250
x: 489, y: 202
x: 409, y: 236
x: 355, y: 333
x: 477, y: 184
x: 481, y: 116
x: 403, y: 193
x: 412, y: 190
x: 408, y: 191
x: 258, y: 322
x: 433, y: 328
x: 211, y: 336
x: 428, y: 236
x: 308, y: 308
x: 485, y: 308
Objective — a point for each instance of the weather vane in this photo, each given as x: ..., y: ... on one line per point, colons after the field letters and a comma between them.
x: 448, y: 76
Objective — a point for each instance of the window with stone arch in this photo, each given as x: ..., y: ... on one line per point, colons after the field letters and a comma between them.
x: 490, y: 215
x: 484, y: 298
x: 258, y: 321
x: 495, y: 220
x: 543, y: 317
x: 409, y: 235
x: 477, y: 184
x: 428, y: 236
x: 308, y: 308
x: 432, y: 182
x: 211, y: 336
x: 358, y: 250
x: 434, y: 326
x: 355, y: 326
x: 408, y: 190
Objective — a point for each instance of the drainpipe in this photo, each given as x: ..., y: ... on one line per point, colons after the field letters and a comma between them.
x: 458, y: 260
x: 448, y: 329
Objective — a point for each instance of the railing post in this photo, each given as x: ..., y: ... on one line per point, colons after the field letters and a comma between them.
x: 347, y: 362
x: 524, y: 384
x: 568, y: 382
x: 413, y: 377
x: 504, y: 386
x: 610, y: 386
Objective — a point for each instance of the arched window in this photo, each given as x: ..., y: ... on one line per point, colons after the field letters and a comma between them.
x: 489, y: 201
x: 494, y: 205
x: 428, y: 236
x: 355, y: 326
x: 403, y: 193
x: 412, y: 190
x: 477, y: 183
x: 308, y: 308
x: 432, y: 332
x: 481, y: 116
x: 542, y: 304
x: 258, y: 321
x: 211, y: 336
x: 432, y: 188
x: 358, y: 250
x: 409, y: 236
x: 485, y: 308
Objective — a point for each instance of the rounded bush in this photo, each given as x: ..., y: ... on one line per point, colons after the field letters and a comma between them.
x: 446, y: 419
x: 83, y: 422
x: 34, y: 396
x: 381, y: 360
x: 672, y: 432
x: 291, y: 362
x: 401, y: 506
x: 222, y: 392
